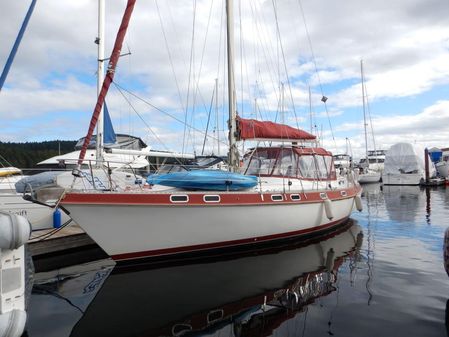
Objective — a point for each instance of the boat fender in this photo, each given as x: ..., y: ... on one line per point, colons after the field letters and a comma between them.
x: 359, y: 240
x: 328, y: 209
x: 12, y: 323
x: 330, y: 259
x: 358, y: 203
x: 15, y: 230
x: 57, y: 218
x: 446, y: 251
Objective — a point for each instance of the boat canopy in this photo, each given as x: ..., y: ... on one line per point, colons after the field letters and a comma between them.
x: 266, y: 130
x: 405, y: 158
x: 303, y: 163
x: 123, y: 141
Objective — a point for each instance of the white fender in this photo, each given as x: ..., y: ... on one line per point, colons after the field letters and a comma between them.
x: 328, y: 209
x: 358, y: 203
x: 15, y: 230
x: 330, y: 259
x: 12, y: 323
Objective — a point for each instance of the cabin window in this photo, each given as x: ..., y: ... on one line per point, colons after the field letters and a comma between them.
x: 262, y: 162
x: 277, y: 197
x: 286, y: 165
x: 179, y: 198
x: 306, y: 166
x: 330, y: 167
x: 322, y: 172
x: 211, y: 198
x: 295, y: 197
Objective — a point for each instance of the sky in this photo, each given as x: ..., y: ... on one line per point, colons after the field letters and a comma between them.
x: 283, y: 49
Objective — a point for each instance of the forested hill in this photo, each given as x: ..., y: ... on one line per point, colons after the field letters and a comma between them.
x: 27, y: 155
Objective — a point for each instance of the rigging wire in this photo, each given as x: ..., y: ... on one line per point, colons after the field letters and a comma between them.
x: 169, y: 55
x: 192, y: 54
x: 285, y: 63
x: 122, y: 89
x: 208, y: 120
x: 197, y: 83
x: 193, y: 90
x: 263, y: 42
x: 370, y: 120
x: 324, y: 98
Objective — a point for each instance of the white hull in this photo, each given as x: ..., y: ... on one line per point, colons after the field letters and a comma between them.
x: 231, y: 286
x: 443, y: 168
x: 371, y: 177
x: 127, y: 231
x: 402, y: 179
x: 39, y: 216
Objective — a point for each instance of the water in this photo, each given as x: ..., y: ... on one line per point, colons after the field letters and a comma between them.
x: 388, y: 281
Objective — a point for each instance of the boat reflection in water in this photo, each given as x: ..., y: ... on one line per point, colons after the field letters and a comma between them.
x: 239, y: 296
x: 403, y: 203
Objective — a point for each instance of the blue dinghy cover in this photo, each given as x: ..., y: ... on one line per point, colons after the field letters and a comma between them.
x: 212, y: 180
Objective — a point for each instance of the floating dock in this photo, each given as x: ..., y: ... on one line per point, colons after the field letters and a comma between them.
x: 57, y: 248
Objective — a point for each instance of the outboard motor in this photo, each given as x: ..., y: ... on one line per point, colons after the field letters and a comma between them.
x: 15, y: 231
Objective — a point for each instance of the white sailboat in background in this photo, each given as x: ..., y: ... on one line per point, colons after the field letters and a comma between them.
x: 297, y: 191
x: 47, y: 187
x: 367, y: 174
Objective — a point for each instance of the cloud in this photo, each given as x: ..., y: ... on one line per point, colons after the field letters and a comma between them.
x: 427, y: 128
x: 404, y: 45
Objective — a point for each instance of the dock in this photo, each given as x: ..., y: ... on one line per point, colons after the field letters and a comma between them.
x: 53, y: 249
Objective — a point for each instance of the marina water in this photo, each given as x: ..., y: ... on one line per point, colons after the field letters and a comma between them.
x: 380, y: 275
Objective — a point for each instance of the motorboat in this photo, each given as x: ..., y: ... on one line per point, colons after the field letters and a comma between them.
x: 404, y: 165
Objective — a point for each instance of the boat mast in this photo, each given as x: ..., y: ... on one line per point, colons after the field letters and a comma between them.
x: 107, y: 82
x: 100, y: 76
x: 364, y: 111
x: 16, y: 44
x: 310, y: 111
x: 216, y: 117
x: 233, y: 152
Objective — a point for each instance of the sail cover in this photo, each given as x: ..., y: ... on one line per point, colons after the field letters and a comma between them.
x: 254, y: 129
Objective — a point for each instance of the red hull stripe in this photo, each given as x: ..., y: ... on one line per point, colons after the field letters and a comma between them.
x: 197, y: 198
x: 224, y: 244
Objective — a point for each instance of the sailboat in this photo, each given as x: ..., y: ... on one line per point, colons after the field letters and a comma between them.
x: 297, y: 193
x: 366, y: 175
x: 202, y: 297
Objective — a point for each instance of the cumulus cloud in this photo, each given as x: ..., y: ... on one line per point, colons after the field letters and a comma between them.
x: 404, y: 45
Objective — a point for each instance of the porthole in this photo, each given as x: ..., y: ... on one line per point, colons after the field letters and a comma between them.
x: 211, y: 198
x: 323, y: 195
x: 343, y: 193
x: 277, y: 197
x: 179, y: 198
x: 295, y: 197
